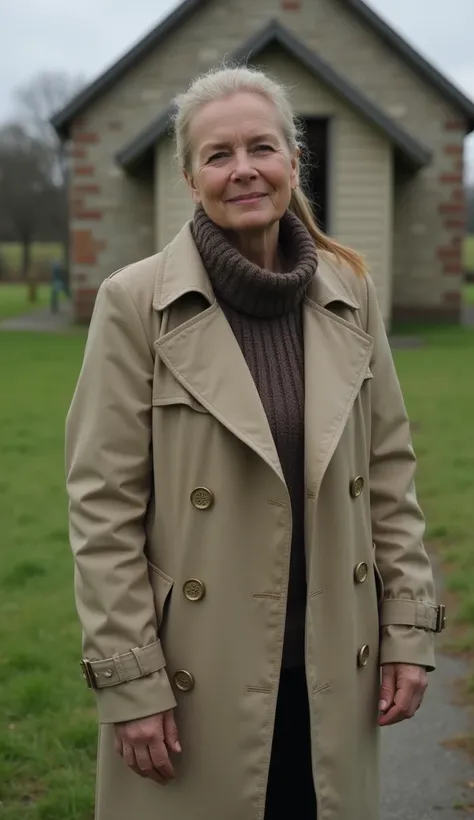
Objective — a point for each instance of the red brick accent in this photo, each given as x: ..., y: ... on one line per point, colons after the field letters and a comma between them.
x: 455, y: 125
x: 79, y: 153
x: 452, y: 297
x: 458, y: 195
x: 115, y: 125
x: 85, y: 247
x: 455, y: 223
x: 451, y: 208
x: 80, y: 278
x: 84, y: 170
x: 454, y: 269
x: 449, y: 253
x: 451, y: 179
x: 86, y: 189
x: 84, y: 136
x: 83, y: 214
x: 291, y: 5
x: 79, y: 124
x: 84, y: 299
x: 454, y: 150
x: 442, y: 314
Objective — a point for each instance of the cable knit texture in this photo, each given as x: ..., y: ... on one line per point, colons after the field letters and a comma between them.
x: 264, y: 310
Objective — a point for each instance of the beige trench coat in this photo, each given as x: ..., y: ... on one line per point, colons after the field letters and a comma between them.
x: 180, y: 525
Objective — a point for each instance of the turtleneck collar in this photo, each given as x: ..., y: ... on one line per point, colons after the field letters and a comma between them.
x: 246, y: 287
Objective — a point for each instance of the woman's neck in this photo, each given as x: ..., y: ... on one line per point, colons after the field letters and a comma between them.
x: 259, y: 247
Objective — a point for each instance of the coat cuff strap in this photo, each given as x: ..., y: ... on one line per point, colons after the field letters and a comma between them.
x: 137, y: 663
x: 413, y: 613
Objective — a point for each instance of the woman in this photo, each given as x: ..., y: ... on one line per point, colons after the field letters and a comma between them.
x: 247, y: 539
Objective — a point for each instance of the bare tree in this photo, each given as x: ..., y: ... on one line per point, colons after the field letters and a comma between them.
x: 37, y: 101
x: 25, y: 185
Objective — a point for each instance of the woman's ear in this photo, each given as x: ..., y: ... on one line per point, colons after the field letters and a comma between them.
x: 192, y: 187
x: 295, y: 170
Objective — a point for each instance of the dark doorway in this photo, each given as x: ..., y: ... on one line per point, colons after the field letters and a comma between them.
x: 315, y: 181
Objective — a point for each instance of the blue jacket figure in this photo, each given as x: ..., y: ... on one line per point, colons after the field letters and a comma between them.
x: 58, y: 284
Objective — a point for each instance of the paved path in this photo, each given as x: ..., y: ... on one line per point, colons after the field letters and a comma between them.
x: 42, y: 320
x: 468, y: 315
x: 421, y: 779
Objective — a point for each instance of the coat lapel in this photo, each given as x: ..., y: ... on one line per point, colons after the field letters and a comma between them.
x: 337, y: 356
x: 205, y: 357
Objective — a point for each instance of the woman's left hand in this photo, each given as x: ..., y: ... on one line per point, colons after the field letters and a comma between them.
x: 401, y: 692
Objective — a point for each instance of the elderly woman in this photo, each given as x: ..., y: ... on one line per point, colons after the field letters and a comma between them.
x: 251, y: 580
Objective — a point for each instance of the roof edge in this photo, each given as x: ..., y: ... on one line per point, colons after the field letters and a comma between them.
x: 416, y: 153
x: 420, y: 64
x: 62, y: 119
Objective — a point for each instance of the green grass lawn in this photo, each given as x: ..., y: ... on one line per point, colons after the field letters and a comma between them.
x: 469, y: 294
x: 42, y: 254
x: 14, y: 300
x: 439, y: 392
x: 469, y: 253
x: 47, y: 717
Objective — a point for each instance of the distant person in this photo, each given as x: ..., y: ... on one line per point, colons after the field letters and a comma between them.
x: 59, y: 284
x: 248, y: 543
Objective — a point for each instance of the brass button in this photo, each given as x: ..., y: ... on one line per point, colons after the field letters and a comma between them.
x: 183, y: 680
x: 363, y: 656
x: 361, y: 572
x: 194, y: 589
x: 202, y: 498
x: 357, y: 485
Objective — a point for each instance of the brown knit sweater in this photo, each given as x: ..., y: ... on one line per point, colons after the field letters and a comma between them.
x: 264, y: 310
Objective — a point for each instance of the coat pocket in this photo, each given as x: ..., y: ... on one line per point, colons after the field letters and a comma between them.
x: 378, y: 578
x: 180, y: 399
x: 161, y: 584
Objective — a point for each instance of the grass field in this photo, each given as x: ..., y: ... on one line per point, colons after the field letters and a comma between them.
x: 469, y: 253
x: 47, y: 717
x: 469, y: 294
x: 14, y: 300
x: 42, y: 254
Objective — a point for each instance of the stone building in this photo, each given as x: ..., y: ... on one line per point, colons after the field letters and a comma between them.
x: 385, y: 132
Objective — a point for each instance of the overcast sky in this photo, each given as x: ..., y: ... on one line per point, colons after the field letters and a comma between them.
x: 87, y: 37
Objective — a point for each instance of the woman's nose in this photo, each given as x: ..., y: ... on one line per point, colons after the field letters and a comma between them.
x: 243, y: 168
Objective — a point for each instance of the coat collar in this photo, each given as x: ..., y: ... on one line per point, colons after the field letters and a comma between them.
x: 337, y: 354
x: 181, y: 271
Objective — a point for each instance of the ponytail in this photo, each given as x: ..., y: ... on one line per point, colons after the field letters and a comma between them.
x: 300, y: 206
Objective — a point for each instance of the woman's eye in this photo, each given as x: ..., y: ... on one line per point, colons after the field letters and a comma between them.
x: 218, y: 156
x: 263, y: 148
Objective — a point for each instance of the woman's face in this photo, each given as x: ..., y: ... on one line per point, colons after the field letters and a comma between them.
x: 242, y: 169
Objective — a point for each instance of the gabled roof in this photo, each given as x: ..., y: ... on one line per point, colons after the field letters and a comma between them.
x: 416, y: 154
x: 62, y: 120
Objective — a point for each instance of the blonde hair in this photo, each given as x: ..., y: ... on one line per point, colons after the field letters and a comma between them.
x: 223, y: 82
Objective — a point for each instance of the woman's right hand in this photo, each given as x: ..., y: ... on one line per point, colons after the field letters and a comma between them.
x: 145, y: 745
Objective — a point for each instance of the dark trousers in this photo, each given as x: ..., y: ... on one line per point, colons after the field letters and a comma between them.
x: 290, y: 791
